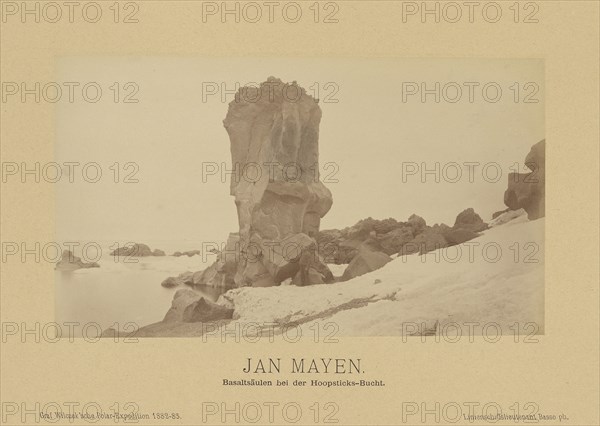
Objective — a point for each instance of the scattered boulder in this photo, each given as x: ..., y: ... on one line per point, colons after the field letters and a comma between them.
x: 365, y: 261
x: 528, y: 190
x: 171, y: 282
x: 137, y: 250
x: 70, y: 262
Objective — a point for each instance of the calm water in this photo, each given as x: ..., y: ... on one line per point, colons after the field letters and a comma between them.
x: 121, y: 292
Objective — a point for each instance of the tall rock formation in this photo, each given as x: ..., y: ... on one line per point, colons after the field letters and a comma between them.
x: 274, y: 135
x: 528, y: 190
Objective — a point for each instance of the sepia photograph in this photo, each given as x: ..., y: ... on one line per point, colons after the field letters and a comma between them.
x: 310, y: 212
x: 391, y: 197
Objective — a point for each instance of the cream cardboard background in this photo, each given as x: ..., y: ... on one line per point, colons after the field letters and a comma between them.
x: 559, y: 374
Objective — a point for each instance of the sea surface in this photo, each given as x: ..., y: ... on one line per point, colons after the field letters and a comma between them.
x: 125, y: 289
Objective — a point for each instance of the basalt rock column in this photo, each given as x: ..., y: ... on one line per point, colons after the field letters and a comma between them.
x: 274, y: 135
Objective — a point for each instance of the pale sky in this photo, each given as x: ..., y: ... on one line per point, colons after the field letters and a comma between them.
x: 368, y: 134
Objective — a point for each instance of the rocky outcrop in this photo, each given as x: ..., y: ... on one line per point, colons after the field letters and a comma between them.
x: 70, y: 262
x: 389, y: 236
x: 190, y: 306
x: 528, y: 190
x: 469, y: 220
x: 137, y: 250
x: 274, y: 137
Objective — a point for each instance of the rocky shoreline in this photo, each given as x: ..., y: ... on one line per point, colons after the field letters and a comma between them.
x: 276, y: 213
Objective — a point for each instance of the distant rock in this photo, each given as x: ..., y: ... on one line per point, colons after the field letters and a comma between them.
x: 468, y: 219
x: 188, y: 253
x: 190, y: 306
x: 137, y: 250
x: 171, y: 282
x: 528, y: 190
x: 364, y: 262
x: 70, y: 262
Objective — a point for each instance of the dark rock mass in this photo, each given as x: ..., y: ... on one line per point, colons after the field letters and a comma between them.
x: 137, y: 250
x: 528, y: 190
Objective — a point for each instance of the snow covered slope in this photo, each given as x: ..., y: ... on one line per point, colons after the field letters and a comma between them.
x: 496, y: 278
